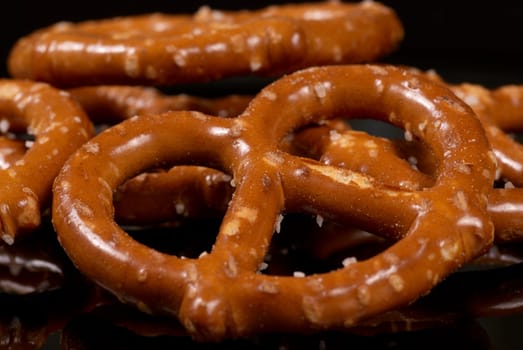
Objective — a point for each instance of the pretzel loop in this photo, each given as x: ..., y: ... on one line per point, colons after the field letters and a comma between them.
x: 222, y: 294
x: 59, y: 126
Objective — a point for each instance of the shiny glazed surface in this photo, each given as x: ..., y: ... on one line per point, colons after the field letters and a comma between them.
x: 162, y: 49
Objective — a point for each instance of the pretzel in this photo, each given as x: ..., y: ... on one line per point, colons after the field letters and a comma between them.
x: 112, y: 104
x: 221, y: 294
x: 59, y: 126
x: 166, y: 49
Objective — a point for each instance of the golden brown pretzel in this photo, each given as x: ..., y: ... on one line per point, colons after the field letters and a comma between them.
x: 221, y: 294
x: 160, y: 49
x: 59, y: 126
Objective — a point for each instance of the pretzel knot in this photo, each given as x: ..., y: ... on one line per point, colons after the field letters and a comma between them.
x: 158, y: 49
x: 223, y: 294
x: 58, y: 125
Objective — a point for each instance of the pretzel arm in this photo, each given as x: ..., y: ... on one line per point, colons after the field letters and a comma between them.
x: 59, y: 126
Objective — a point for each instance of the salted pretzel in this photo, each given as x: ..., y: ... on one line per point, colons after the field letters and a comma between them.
x: 221, y: 294
x: 59, y: 126
x: 166, y: 49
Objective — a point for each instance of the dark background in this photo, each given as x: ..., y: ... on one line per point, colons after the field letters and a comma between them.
x: 471, y: 41
x: 475, y: 41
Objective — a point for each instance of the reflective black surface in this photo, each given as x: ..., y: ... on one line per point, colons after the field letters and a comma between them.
x: 478, y: 307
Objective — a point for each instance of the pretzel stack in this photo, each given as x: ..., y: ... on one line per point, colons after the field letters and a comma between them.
x: 315, y: 226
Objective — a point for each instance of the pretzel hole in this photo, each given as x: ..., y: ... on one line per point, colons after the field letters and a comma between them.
x: 188, y: 239
x: 177, y: 211
x: 378, y: 128
x: 381, y: 150
x: 404, y: 143
x: 309, y: 244
x: 303, y: 245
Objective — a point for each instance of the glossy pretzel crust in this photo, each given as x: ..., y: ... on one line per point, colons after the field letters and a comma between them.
x: 166, y: 49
